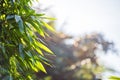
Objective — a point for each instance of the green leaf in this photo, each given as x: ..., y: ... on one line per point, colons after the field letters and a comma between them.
x: 38, y: 49
x: 40, y: 66
x: 50, y: 18
x: 42, y: 46
x: 29, y: 35
x: 48, y: 26
x: 21, y: 51
x: 2, y: 46
x: 20, y: 23
x: 33, y: 67
x: 10, y: 17
x: 11, y: 78
x: 29, y: 54
x: 40, y: 26
x: 20, y: 61
x: 39, y: 14
x: 37, y: 27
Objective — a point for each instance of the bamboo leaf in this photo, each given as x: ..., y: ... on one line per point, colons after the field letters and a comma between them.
x: 43, y: 47
x: 10, y: 17
x: 10, y: 78
x: 40, y: 26
x: 20, y: 23
x: 34, y: 68
x: 37, y: 28
x: 48, y: 26
x: 2, y: 46
x: 21, y: 51
x: 38, y: 50
x: 40, y: 66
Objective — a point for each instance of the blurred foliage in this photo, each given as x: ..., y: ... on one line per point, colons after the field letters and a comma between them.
x: 76, y: 61
x: 21, y: 51
x: 114, y: 78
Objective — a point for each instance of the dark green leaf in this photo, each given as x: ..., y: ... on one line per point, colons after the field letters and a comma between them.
x: 20, y: 23
x: 21, y: 51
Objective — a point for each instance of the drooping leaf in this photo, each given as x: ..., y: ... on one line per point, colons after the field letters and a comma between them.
x: 20, y: 23
x: 40, y: 66
x: 42, y: 46
x: 33, y: 67
x: 21, y: 51
x: 47, y: 26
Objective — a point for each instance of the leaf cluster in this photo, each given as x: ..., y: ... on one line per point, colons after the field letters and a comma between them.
x: 21, y: 51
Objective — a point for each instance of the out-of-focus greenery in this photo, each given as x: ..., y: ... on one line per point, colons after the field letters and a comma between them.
x: 76, y: 61
x: 114, y: 78
x: 21, y: 51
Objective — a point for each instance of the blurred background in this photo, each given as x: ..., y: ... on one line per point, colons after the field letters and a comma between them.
x: 86, y: 42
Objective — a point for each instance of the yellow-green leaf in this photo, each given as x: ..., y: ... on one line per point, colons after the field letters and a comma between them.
x: 38, y: 50
x: 42, y: 46
x: 34, y: 68
x: 48, y: 26
x: 40, y: 66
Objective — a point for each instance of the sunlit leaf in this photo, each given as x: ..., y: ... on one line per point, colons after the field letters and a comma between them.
x: 37, y: 28
x: 44, y: 47
x: 33, y: 67
x: 40, y: 66
x: 19, y: 24
x: 48, y: 26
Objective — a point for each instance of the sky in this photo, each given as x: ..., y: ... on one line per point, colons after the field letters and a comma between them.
x: 77, y: 17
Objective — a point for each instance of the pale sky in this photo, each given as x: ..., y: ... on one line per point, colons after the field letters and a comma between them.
x: 85, y: 16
